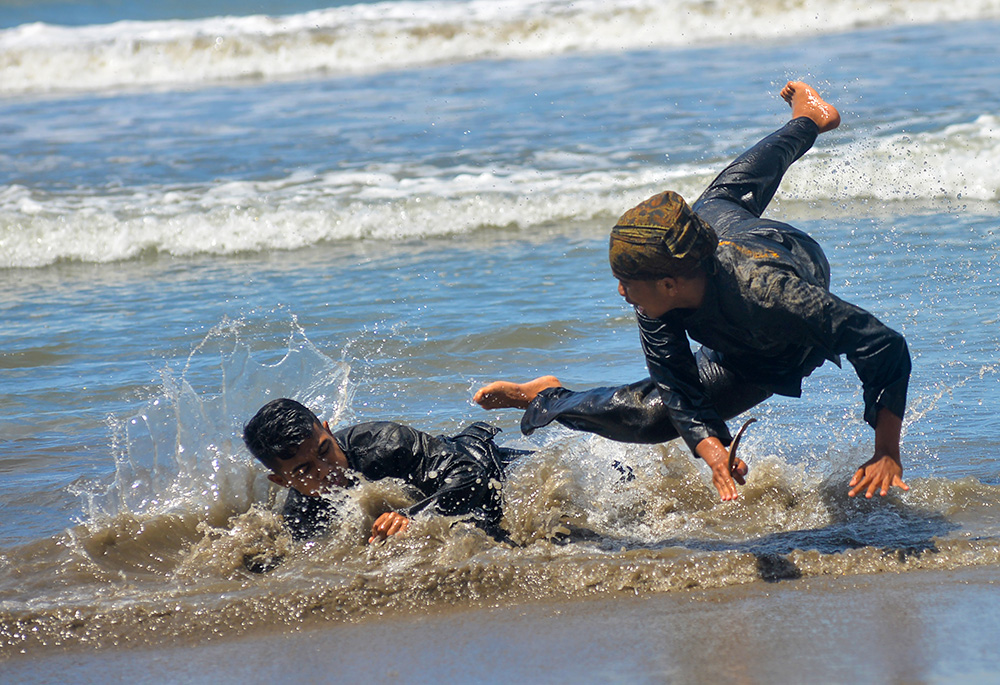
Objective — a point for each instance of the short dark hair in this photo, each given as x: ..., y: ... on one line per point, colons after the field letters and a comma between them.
x: 277, y: 430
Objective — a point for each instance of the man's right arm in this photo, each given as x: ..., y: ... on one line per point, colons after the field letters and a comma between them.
x: 673, y: 368
x: 453, y: 481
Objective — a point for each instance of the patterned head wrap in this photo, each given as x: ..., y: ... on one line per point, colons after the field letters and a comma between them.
x: 660, y: 237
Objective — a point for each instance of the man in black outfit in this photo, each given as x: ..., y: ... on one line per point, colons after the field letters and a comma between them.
x: 756, y: 294
x: 455, y: 476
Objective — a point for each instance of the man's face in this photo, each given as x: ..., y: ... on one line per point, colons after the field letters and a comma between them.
x: 650, y: 298
x: 318, y: 464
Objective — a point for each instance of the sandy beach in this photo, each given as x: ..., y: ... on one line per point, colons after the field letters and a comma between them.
x: 915, y: 627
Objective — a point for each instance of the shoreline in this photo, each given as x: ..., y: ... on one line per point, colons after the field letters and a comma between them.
x: 889, y: 627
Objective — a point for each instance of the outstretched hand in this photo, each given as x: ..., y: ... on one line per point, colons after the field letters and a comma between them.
x: 884, y: 470
x: 878, y: 473
x: 725, y: 480
x: 389, y: 523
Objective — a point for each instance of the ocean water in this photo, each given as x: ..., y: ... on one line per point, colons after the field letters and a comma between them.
x: 377, y: 208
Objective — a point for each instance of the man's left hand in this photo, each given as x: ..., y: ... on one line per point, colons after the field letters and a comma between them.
x: 885, y: 469
x: 878, y: 473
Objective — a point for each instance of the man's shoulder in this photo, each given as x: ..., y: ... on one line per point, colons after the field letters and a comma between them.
x: 368, y: 430
x: 773, y: 252
x: 374, y: 441
x: 768, y: 243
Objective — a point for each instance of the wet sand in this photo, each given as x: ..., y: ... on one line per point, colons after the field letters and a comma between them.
x: 922, y: 626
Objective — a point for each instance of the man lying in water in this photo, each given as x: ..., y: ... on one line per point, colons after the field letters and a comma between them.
x: 456, y: 476
x: 756, y: 294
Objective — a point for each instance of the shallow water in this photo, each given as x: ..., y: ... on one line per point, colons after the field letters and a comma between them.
x: 381, y: 244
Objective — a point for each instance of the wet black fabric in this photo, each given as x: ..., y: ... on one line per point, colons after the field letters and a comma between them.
x: 636, y: 412
x: 768, y: 320
x: 454, y: 476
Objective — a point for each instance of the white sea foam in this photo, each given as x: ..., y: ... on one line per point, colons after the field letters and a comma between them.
x: 960, y: 162
x: 390, y: 35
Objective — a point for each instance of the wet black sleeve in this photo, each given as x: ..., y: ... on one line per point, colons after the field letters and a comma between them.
x: 817, y: 318
x: 457, y: 475
x: 466, y: 476
x: 466, y: 488
x: 673, y: 368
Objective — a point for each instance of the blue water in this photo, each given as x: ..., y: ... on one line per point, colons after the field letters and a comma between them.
x: 434, y: 226
x: 17, y: 12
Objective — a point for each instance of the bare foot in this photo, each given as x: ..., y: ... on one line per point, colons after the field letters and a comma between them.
x: 806, y: 102
x: 504, y: 394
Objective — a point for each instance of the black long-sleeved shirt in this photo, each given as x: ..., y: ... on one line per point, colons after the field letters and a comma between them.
x: 767, y: 314
x: 455, y: 476
x: 764, y: 321
x: 767, y: 318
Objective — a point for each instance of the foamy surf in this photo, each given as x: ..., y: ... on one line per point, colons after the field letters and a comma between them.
x: 957, y: 164
x: 39, y: 58
x: 161, y: 551
x: 146, y: 581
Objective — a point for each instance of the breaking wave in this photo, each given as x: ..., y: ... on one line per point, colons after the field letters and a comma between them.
x: 39, y: 58
x: 957, y: 164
